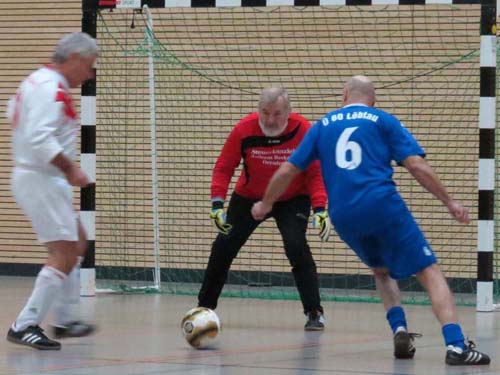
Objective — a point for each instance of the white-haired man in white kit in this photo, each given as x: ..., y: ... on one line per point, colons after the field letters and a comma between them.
x: 45, y: 126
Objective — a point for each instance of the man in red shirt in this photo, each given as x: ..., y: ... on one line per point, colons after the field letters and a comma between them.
x: 264, y: 140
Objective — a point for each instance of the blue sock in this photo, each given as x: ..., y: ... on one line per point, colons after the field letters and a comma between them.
x: 453, y: 335
x: 396, y: 318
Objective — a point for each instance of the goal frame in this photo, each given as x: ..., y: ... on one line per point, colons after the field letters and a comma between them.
x: 486, y: 122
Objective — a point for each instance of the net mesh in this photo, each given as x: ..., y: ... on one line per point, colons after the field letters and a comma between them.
x: 210, y: 65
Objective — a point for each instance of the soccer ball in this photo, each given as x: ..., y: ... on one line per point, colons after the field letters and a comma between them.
x: 200, y: 326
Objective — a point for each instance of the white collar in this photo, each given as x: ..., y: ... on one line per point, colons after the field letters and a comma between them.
x: 54, y: 71
x: 355, y: 105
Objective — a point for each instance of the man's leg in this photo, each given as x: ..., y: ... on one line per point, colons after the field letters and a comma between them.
x: 47, y: 284
x: 224, y: 249
x: 390, y: 294
x: 387, y: 288
x: 50, y: 210
x: 67, y: 321
x: 292, y: 220
x: 68, y: 299
x: 443, y: 306
x: 25, y: 330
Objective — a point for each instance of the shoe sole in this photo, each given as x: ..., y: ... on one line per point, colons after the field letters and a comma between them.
x: 24, y: 343
x: 401, y: 345
x: 314, y: 328
x: 458, y: 362
x: 88, y: 332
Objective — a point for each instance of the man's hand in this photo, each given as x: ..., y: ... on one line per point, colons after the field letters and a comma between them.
x: 322, y: 222
x: 219, y: 218
x: 260, y: 210
x: 459, y: 212
x: 71, y: 170
x: 76, y: 177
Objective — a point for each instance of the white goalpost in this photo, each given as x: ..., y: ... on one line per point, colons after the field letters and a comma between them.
x: 154, y: 166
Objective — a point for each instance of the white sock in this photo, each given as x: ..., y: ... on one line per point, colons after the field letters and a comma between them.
x: 47, y: 286
x: 456, y: 349
x: 68, y: 301
x: 400, y: 328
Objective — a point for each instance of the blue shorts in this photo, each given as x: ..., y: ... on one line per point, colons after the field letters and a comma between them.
x: 399, y: 246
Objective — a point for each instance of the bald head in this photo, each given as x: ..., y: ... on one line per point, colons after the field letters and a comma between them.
x: 359, y: 89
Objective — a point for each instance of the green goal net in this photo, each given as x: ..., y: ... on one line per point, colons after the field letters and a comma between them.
x: 207, y: 67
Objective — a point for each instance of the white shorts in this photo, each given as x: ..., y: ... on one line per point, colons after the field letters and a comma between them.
x: 48, y: 202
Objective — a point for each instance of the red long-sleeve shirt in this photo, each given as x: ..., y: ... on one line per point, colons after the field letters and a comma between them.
x: 262, y: 155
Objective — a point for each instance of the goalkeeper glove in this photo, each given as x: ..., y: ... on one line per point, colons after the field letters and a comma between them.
x: 322, y: 222
x: 219, y: 218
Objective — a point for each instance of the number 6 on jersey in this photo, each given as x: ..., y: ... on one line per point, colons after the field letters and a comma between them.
x: 342, y: 149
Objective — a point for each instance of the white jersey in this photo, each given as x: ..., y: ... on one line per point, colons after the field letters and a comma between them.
x: 44, y: 122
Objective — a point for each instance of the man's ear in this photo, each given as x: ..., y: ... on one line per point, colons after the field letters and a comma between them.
x: 73, y: 57
x: 344, y: 95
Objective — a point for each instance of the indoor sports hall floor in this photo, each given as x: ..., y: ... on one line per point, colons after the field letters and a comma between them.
x: 140, y: 335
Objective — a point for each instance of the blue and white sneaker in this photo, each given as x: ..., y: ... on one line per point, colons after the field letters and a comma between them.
x: 457, y: 357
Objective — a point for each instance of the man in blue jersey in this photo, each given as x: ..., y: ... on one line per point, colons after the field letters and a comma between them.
x: 355, y: 146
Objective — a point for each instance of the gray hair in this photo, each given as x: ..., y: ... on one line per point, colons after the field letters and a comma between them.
x: 79, y: 43
x: 271, y: 94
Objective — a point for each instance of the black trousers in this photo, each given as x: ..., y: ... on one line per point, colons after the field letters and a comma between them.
x: 291, y: 217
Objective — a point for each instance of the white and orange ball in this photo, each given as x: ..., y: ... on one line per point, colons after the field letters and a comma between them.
x: 200, y: 326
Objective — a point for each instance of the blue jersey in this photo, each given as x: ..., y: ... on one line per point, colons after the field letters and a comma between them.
x: 356, y: 145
